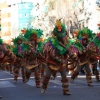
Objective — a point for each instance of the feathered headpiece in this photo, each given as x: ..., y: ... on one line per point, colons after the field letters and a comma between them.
x: 85, y: 33
x: 29, y: 32
x: 76, y: 33
x: 58, y: 23
x: 24, y: 47
x: 63, y: 29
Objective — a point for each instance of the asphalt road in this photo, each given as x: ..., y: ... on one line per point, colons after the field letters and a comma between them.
x: 27, y: 91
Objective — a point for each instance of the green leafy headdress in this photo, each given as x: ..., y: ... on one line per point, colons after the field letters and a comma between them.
x: 29, y: 33
x: 24, y: 47
x: 63, y: 29
x: 85, y: 33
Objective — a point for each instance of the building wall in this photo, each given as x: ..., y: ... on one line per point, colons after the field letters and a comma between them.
x: 0, y: 23
x: 14, y: 16
x: 5, y: 22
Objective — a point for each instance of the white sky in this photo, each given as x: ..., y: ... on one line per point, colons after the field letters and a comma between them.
x: 18, y: 1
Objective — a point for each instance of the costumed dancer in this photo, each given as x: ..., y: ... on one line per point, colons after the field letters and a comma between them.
x: 32, y: 62
x: 20, y: 63
x: 75, y: 48
x: 5, y: 55
x: 41, y: 57
x: 2, y: 49
x: 56, y: 57
x: 9, y: 65
x: 94, y: 46
x: 84, y: 57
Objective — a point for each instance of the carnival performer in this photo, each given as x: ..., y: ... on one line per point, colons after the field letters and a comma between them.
x: 56, y: 55
x: 5, y: 54
x: 84, y: 35
x: 32, y: 63
x: 6, y: 66
x: 95, y: 49
x: 20, y: 62
x: 1, y: 54
x: 41, y: 57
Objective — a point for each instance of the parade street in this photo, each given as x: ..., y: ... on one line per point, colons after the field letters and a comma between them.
x: 27, y: 91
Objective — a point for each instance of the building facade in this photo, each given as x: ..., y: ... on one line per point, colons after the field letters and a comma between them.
x: 5, y: 23
x: 14, y: 16
x: 20, y: 17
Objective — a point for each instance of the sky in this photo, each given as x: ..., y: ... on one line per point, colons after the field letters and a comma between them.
x: 17, y: 1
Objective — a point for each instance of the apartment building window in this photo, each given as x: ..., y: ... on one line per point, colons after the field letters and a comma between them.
x: 26, y: 14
